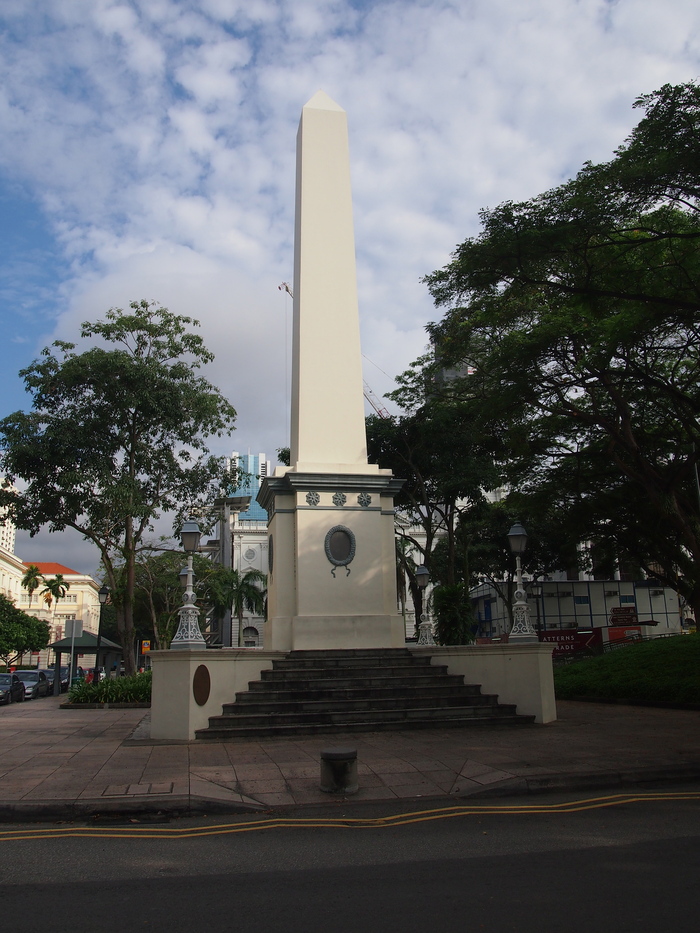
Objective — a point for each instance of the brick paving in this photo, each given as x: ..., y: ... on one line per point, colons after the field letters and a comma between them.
x: 91, y: 760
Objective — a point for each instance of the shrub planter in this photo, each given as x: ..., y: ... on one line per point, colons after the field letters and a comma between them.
x: 105, y: 706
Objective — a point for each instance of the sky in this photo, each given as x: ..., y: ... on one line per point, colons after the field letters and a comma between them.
x: 147, y: 151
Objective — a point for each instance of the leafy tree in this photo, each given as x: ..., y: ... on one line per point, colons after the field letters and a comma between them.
x: 454, y: 617
x: 228, y: 589
x: 19, y: 632
x: 444, y: 468
x: 31, y: 581
x: 116, y: 436
x: 55, y: 588
x: 158, y: 595
x: 578, y: 313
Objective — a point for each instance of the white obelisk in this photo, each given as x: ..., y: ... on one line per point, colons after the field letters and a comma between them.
x: 327, y: 365
x: 332, y: 572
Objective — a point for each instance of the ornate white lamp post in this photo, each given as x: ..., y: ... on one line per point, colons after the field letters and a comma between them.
x: 425, y: 629
x: 522, y: 631
x: 103, y: 596
x: 188, y: 635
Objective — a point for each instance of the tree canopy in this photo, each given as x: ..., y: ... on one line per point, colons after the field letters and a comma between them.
x: 19, y: 632
x: 573, y: 321
x: 117, y: 435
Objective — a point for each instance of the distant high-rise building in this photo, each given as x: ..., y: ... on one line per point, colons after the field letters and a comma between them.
x: 7, y: 532
x: 256, y: 466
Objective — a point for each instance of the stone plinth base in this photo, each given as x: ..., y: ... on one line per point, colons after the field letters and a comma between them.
x: 191, y: 686
x: 518, y: 674
x: 316, y: 633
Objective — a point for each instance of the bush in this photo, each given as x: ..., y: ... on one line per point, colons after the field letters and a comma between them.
x: 134, y: 689
x: 453, y: 615
x: 662, y: 670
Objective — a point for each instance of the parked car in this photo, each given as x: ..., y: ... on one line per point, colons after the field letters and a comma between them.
x: 49, y: 674
x: 78, y: 675
x: 11, y: 689
x: 35, y: 684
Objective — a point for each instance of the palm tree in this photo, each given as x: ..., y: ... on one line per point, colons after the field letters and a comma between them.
x: 54, y: 589
x: 31, y: 581
x: 236, y: 591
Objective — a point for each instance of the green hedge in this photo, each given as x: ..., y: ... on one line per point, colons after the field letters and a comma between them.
x: 135, y: 689
x: 662, y: 670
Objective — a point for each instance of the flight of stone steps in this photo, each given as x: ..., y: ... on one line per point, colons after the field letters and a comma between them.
x: 355, y: 690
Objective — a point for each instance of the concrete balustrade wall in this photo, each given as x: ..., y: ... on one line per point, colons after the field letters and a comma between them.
x: 176, y: 709
x: 518, y: 674
x: 191, y: 686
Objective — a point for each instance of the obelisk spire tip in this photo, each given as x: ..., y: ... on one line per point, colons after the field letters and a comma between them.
x: 321, y: 101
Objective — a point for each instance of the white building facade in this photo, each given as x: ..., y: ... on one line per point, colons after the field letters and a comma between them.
x: 646, y: 608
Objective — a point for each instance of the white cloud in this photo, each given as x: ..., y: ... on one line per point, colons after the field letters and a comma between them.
x: 159, y: 136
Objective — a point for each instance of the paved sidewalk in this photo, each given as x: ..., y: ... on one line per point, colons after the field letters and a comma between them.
x: 58, y: 764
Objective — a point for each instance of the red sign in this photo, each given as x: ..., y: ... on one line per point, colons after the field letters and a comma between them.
x: 623, y: 615
x: 567, y: 642
x: 622, y: 633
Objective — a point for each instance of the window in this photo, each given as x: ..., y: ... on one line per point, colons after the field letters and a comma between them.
x: 626, y: 599
x: 581, y: 600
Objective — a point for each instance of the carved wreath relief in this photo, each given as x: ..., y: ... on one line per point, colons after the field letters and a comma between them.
x: 340, y: 547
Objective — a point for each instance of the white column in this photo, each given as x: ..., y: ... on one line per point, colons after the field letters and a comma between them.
x: 328, y: 420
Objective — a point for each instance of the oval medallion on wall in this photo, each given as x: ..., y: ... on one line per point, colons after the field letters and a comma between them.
x: 340, y: 547
x: 201, y: 685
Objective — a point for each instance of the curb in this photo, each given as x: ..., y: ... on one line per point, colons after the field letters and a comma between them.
x: 192, y: 805
x: 21, y: 811
x: 104, y: 706
x: 659, y: 704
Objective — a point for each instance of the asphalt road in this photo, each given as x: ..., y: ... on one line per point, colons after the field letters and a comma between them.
x: 623, y: 862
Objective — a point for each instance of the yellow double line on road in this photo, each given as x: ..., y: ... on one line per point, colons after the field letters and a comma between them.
x: 382, y: 822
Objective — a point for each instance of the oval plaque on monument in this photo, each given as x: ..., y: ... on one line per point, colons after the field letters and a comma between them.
x: 201, y: 685
x: 340, y: 547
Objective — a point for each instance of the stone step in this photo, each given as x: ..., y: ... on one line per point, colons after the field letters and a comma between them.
x: 366, y: 671
x: 274, y: 706
x: 355, y: 690
x: 228, y: 733
x: 304, y: 692
x: 340, y: 717
x: 351, y: 653
x: 350, y: 663
x: 398, y: 684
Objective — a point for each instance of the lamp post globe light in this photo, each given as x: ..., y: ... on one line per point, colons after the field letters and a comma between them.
x: 188, y: 635
x: 522, y: 631
x: 103, y: 596
x: 425, y: 629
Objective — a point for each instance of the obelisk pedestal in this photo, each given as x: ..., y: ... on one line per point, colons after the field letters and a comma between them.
x: 332, y: 572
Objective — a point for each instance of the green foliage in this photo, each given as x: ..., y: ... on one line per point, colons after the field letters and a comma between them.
x: 226, y: 590
x: 158, y: 594
x: 19, y: 632
x: 133, y: 689
x: 116, y: 436
x: 572, y: 335
x: 454, y: 618
x: 55, y: 588
x: 664, y: 669
x: 32, y: 580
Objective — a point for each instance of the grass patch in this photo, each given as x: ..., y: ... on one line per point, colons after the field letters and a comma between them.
x: 134, y: 689
x: 663, y: 670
